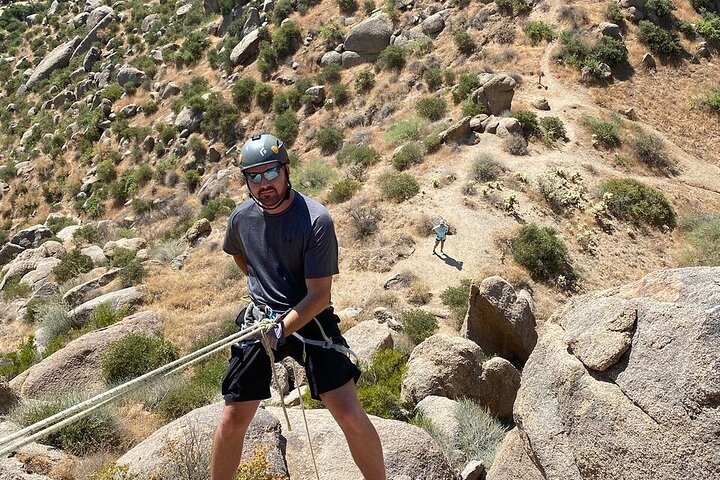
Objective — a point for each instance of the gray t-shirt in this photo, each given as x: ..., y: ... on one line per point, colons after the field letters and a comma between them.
x: 283, y: 250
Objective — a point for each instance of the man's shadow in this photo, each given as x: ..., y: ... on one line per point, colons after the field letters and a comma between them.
x: 450, y: 260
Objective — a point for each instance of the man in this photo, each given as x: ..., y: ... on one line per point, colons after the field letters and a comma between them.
x: 286, y: 245
x: 441, y: 230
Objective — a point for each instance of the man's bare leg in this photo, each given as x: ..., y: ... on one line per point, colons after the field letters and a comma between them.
x: 228, y: 439
x: 361, y: 435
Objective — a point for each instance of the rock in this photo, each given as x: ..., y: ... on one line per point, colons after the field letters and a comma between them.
x: 77, y: 366
x: 434, y: 24
x: 152, y: 458
x: 170, y: 90
x: 40, y: 275
x: 199, y: 230
x: 316, y: 94
x: 96, y: 254
x: 351, y: 59
x: 216, y: 185
x: 87, y: 290
x: 58, y: 58
x: 589, y: 75
x: 441, y: 413
x: 634, y: 14
x: 148, y: 22
x: 414, y: 35
x: 512, y: 461
x: 331, y: 57
x: 211, y: 6
x: 246, y: 49
x: 148, y: 144
x: 501, y: 320
x: 188, y: 120
x: 183, y: 10
x: 458, y: 133
x: 474, y: 470
x: 128, y: 74
x: 8, y: 398
x: 383, y: 315
x: 611, y: 30
x: 370, y: 36
x: 649, y: 62
x: 508, y: 126
x: 92, y: 36
x: 96, y: 15
x: 130, y: 297
x: 369, y: 337
x: 253, y: 21
x: 541, y: 104
x: 28, y: 260
x: 213, y: 155
x: 132, y: 244
x: 653, y: 413
x: 8, y: 252
x: 496, y: 94
x: 407, y: 449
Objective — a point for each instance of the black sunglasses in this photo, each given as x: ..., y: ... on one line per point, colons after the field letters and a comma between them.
x: 270, y: 174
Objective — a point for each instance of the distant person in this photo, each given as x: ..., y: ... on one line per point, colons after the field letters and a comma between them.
x: 285, y: 243
x: 441, y: 230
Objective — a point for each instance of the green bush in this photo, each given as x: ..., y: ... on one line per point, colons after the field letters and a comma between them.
x: 380, y: 383
x: 196, y: 392
x: 242, y: 93
x: 89, y: 233
x: 610, y: 51
x: 191, y: 179
x: 286, y: 39
x: 614, y: 14
x: 264, y: 96
x: 364, y: 155
x: 711, y: 100
x: 107, y: 314
x: 215, y: 207
x: 315, y: 175
x: 659, y: 8
x: 457, y: 298
x: 220, y: 119
x: 658, y: 40
x: 408, y: 129
x: 399, y: 186
x: 419, y: 325
x: 467, y: 84
x: 286, y: 127
x: 192, y: 49
x: 343, y: 190
x: 329, y: 139
x: 537, y: 31
x: 650, y: 150
x: 432, y: 143
x: 71, y: 265
x: 135, y: 355
x: 516, y: 145
x: 112, y: 92
x: 281, y: 11
x: 709, y: 27
x: 347, y: 7
x: 703, y: 235
x: 574, y: 48
x: 408, y: 155
x: 464, y: 42
x: 15, y: 362
x: 472, y: 109
x: 150, y: 107
x: 365, y: 81
x: 705, y: 6
x: 267, y: 61
x: 132, y: 274
x: 392, y: 58
x: 332, y: 34
x: 101, y: 430
x: 55, y: 224
x: 607, y: 133
x: 541, y: 252
x: 340, y: 94
x: 433, y: 78
x: 633, y: 200
x: 331, y: 73
x: 432, y: 108
x: 485, y: 168
x: 552, y: 129
x: 528, y: 123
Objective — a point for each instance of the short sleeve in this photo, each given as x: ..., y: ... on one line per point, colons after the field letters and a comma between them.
x: 321, y: 256
x: 232, y: 244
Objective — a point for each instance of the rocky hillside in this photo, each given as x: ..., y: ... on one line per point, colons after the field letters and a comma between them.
x: 570, y: 146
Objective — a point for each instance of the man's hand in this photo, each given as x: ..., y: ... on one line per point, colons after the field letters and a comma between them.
x: 274, y: 337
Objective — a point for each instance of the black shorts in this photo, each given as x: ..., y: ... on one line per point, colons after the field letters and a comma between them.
x: 249, y: 373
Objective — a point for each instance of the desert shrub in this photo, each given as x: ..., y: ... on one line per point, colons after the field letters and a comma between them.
x: 343, y: 190
x: 419, y: 293
x: 408, y: 129
x: 419, y: 325
x: 659, y: 40
x: 485, y: 168
x: 331, y: 73
x: 552, y: 129
x: 267, y: 61
x: 347, y: 7
x: 286, y: 127
x: 431, y: 142
x: 433, y: 78
x: 364, y: 219
x: 197, y: 391
x: 537, y: 31
x: 112, y: 92
x: 467, y: 84
x: 610, y: 51
x: 192, y: 49
x: 432, y: 108
x: 263, y: 96
x: 408, y: 155
x: 471, y: 109
x: 711, y: 100
x: 703, y: 235
x: 607, y: 133
x: 464, y: 42
x: 281, y: 11
x: 332, y: 34
x: 89, y: 233
x: 107, y: 314
x: 135, y: 355
x: 541, y: 252
x: 528, y: 123
x: 55, y: 224
x: 516, y: 145
x: 340, y: 94
x: 329, y: 139
x: 243, y: 92
x: 614, y: 14
x: 650, y: 150
x: 220, y: 119
x: 399, y: 186
x: 633, y: 200
x: 379, y: 384
x: 709, y: 27
x: 703, y: 6
x: 365, y: 81
x: 392, y: 58
x: 457, y: 298
x: 480, y: 434
x: 131, y: 274
x: 315, y: 175
x: 15, y: 362
x: 659, y: 8
x: 101, y: 430
x: 71, y: 265
x: 364, y: 155
x: 512, y: 7
x: 216, y: 207
x: 574, y: 48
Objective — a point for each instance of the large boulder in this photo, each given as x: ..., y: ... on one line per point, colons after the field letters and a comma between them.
x: 8, y: 251
x: 128, y: 74
x: 188, y: 120
x: 28, y: 260
x: 457, y: 133
x: 191, y: 436
x: 32, y: 236
x: 512, y: 461
x: 371, y: 35
x: 87, y: 290
x: 58, y: 58
x: 496, y: 94
x: 455, y: 367
x: 77, y: 366
x: 87, y: 43
x: 127, y: 297
x: 408, y: 450
x: 501, y: 320
x: 246, y: 49
x: 367, y: 338
x: 625, y: 383
x: 96, y: 15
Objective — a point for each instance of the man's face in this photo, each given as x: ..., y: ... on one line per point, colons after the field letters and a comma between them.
x: 268, y: 192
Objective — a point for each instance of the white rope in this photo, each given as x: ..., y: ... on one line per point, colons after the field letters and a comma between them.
x: 40, y: 429
x: 302, y: 408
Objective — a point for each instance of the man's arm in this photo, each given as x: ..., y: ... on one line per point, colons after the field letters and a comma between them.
x: 240, y: 261
x: 316, y: 300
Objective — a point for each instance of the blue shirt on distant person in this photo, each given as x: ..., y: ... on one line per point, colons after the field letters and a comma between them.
x: 441, y: 231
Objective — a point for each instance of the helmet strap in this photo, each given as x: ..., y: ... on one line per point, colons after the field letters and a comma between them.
x: 288, y: 190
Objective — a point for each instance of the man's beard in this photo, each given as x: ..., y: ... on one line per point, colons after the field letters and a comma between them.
x: 270, y: 197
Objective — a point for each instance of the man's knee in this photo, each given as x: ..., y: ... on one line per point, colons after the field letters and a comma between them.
x: 237, y: 415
